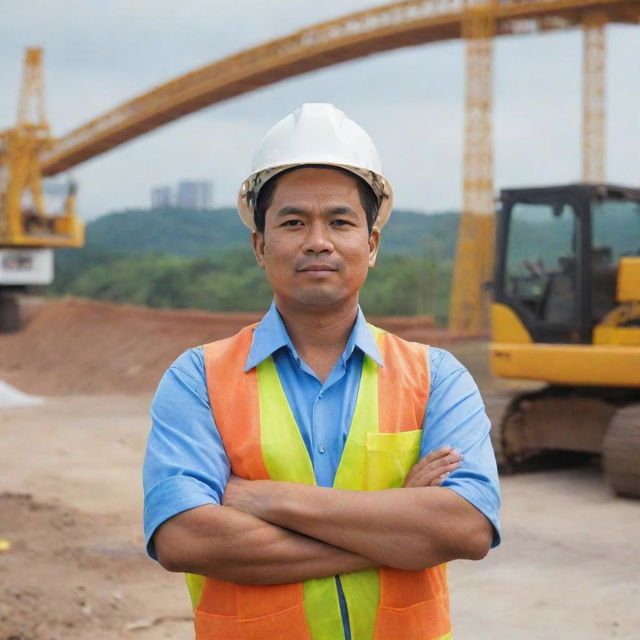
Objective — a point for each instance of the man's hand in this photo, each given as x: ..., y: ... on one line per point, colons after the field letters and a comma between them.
x: 246, y: 495
x: 431, y: 470
x: 241, y: 494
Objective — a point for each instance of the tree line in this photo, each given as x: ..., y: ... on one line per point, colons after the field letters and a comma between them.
x: 202, y: 260
x: 231, y: 281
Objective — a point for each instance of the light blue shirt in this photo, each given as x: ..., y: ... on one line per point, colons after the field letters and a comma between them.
x: 186, y: 465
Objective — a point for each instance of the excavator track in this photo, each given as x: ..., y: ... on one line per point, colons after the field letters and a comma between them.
x: 559, y: 427
x: 548, y: 428
x: 621, y: 451
x: 497, y: 406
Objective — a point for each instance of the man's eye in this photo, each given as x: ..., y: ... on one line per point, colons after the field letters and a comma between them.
x: 291, y: 223
x: 340, y: 222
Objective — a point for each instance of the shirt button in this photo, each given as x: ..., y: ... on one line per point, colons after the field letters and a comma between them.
x: 322, y: 449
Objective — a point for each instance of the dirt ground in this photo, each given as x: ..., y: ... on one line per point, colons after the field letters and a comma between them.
x: 70, y: 504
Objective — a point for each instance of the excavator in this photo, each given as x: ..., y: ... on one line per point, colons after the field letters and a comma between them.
x: 28, y: 231
x: 566, y: 312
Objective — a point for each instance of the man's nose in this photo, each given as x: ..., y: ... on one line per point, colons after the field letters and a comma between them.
x: 317, y: 239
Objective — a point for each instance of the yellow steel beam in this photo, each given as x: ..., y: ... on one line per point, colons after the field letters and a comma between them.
x: 594, y: 98
x: 20, y: 173
x: 474, y: 255
x: 391, y: 26
x: 31, y: 103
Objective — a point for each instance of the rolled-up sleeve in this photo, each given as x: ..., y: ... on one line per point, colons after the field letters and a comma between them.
x: 185, y: 464
x: 456, y: 416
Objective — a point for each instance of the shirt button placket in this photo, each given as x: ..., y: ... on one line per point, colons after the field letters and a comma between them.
x: 321, y: 448
x: 319, y: 435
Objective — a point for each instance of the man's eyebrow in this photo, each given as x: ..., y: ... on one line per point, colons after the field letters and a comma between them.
x: 289, y: 210
x: 339, y: 210
x: 342, y: 210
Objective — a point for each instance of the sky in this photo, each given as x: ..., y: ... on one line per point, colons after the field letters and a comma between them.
x: 411, y: 101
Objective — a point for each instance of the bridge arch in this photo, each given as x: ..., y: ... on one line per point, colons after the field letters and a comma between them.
x: 400, y: 24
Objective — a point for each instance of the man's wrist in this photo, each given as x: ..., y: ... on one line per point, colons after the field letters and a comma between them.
x: 267, y: 498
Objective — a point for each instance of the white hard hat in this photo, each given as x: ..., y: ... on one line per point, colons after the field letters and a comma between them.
x: 316, y: 134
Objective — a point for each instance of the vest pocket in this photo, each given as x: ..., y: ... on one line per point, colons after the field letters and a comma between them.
x: 290, y: 624
x: 229, y: 611
x: 428, y: 620
x: 389, y: 457
x: 209, y: 626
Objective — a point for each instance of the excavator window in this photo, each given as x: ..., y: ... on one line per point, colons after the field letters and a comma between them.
x: 615, y: 230
x: 541, y: 261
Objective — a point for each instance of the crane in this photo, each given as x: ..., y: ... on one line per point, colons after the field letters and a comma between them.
x: 28, y: 233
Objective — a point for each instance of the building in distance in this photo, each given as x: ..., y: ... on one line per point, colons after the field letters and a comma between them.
x: 190, y: 194
x: 195, y: 195
x: 161, y: 198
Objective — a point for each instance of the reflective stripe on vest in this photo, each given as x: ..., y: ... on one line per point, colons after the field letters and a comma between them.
x: 262, y: 441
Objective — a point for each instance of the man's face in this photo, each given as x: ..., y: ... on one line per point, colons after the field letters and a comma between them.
x: 316, y: 248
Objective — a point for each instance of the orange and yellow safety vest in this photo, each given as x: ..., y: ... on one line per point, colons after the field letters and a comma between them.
x: 262, y: 441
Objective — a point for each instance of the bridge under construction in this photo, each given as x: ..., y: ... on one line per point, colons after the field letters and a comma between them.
x: 28, y: 152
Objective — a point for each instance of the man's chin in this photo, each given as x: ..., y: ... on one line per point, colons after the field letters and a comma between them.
x: 318, y: 297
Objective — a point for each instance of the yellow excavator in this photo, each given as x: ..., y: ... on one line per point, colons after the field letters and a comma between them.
x: 566, y: 311
x: 28, y: 231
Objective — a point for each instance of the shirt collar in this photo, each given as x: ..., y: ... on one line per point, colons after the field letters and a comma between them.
x: 271, y: 335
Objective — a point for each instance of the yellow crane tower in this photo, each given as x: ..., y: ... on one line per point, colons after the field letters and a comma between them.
x: 28, y: 233
x: 23, y: 219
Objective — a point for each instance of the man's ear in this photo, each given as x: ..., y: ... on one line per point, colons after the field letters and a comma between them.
x: 257, y: 239
x: 374, y: 245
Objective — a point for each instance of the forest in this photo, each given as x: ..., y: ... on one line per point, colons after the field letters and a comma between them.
x: 203, y: 260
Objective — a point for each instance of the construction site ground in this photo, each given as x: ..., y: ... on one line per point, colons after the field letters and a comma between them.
x: 74, y: 566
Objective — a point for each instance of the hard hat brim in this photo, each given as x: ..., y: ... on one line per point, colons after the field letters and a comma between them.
x: 248, y: 193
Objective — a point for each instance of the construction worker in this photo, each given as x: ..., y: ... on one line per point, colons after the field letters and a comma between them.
x: 313, y: 474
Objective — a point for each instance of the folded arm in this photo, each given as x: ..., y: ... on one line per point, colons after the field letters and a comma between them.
x: 230, y: 544
x: 408, y: 528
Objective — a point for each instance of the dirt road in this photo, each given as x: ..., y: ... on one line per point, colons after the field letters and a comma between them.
x: 70, y: 503
x: 70, y: 499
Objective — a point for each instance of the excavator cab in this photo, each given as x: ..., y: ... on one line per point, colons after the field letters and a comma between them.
x: 566, y: 312
x: 558, y: 257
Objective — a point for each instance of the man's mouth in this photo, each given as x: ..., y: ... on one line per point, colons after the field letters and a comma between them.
x: 317, y: 267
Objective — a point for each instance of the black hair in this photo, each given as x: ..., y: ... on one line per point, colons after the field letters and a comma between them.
x: 368, y: 198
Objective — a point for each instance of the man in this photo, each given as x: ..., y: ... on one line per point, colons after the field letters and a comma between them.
x: 318, y: 471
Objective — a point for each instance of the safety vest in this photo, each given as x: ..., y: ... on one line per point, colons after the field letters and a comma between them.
x: 262, y: 441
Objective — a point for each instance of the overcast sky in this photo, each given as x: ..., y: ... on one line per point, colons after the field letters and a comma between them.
x: 99, y: 54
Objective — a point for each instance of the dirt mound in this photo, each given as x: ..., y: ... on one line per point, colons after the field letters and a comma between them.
x: 84, y: 346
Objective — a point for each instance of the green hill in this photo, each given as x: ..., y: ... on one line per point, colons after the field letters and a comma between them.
x: 203, y: 259
x: 179, y: 232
